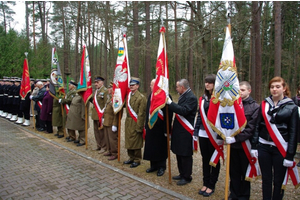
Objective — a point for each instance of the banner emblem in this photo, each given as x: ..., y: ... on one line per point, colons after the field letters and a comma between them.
x: 227, y: 120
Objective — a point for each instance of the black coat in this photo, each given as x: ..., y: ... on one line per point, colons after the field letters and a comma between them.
x: 251, y: 112
x: 181, y: 139
x: 286, y: 119
x: 155, y: 141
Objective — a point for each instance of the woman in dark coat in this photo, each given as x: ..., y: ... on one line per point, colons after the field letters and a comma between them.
x: 156, y: 150
x: 46, y: 113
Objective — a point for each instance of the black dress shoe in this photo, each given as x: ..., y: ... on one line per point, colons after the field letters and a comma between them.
x: 67, y: 137
x: 202, y: 191
x: 149, y: 170
x: 60, y: 136
x: 176, y: 177
x: 56, y: 134
x: 134, y: 164
x: 298, y: 165
x: 41, y: 129
x: 76, y: 141
x: 128, y: 162
x: 183, y: 182
x: 80, y: 144
x: 70, y: 140
x: 160, y: 171
x: 206, y: 194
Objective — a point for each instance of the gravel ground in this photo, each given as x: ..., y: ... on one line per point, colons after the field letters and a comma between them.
x: 189, y: 190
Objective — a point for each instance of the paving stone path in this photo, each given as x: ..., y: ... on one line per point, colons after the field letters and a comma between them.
x: 33, y: 168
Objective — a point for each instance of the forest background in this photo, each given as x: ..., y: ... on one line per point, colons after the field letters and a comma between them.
x: 265, y: 39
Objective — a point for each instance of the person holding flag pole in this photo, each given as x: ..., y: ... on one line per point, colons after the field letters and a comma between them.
x: 275, y: 140
x: 121, y: 83
x: 84, y: 88
x: 25, y: 92
x: 158, y: 116
x: 57, y: 91
x: 226, y: 113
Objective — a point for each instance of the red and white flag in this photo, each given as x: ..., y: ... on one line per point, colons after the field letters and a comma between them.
x: 25, y: 83
x: 121, y: 76
x: 226, y: 112
x: 161, y: 86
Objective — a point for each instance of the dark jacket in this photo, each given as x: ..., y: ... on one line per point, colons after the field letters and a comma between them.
x: 155, y: 141
x: 286, y: 118
x: 46, y: 113
x: 251, y: 112
x: 39, y: 97
x: 199, y: 124
x: 181, y: 139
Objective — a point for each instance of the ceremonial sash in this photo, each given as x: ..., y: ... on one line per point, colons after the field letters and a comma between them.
x: 39, y: 103
x: 212, y: 136
x: 282, y: 145
x: 130, y: 110
x: 67, y: 108
x: 187, y: 126
x: 253, y: 170
x: 160, y: 114
x: 100, y: 111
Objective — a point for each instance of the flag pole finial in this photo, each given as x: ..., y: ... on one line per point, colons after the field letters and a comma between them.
x: 26, y: 53
x: 124, y: 30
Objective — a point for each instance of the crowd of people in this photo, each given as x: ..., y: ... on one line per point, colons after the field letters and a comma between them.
x: 272, y: 129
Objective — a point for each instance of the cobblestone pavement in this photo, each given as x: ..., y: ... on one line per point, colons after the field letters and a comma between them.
x: 32, y: 167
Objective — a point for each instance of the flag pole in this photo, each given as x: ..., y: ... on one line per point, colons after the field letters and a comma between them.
x: 168, y: 143
x: 228, y: 145
x: 119, y: 135
x: 86, y: 123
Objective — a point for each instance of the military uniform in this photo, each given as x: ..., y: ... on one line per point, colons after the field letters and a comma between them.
x: 101, y: 98
x: 134, y: 129
x: 57, y: 118
x: 76, y: 118
x: 10, y: 98
x: 5, y: 96
x: 39, y: 98
x: 16, y: 101
x: 111, y: 136
x: 66, y: 102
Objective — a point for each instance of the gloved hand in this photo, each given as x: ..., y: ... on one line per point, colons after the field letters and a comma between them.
x: 30, y: 97
x: 287, y: 163
x: 219, y: 142
x: 254, y: 153
x: 59, y: 100
x: 169, y: 101
x: 114, y: 128
x: 102, y: 121
x: 230, y: 140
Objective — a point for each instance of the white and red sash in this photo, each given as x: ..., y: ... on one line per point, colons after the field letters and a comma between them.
x: 253, y: 170
x: 67, y: 108
x: 39, y: 103
x: 188, y: 126
x: 282, y: 145
x: 160, y: 114
x: 100, y: 111
x: 130, y: 110
x: 212, y: 136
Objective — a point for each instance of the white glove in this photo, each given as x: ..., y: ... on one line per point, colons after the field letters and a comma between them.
x: 288, y: 163
x: 114, y: 128
x: 219, y: 142
x: 59, y: 100
x: 169, y: 101
x: 102, y: 121
x: 254, y: 153
x: 230, y: 140
x: 30, y: 97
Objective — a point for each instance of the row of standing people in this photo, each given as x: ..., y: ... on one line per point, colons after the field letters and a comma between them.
x: 281, y: 112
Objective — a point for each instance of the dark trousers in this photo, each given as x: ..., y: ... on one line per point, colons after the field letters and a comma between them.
x: 210, y: 173
x: 239, y: 187
x: 185, y: 166
x: 49, y: 127
x: 272, y: 169
x: 25, y: 112
x: 158, y: 164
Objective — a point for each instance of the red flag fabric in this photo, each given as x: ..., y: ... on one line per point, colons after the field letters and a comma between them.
x: 226, y: 112
x: 84, y: 87
x: 161, y: 86
x: 25, y: 83
x: 121, y: 76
